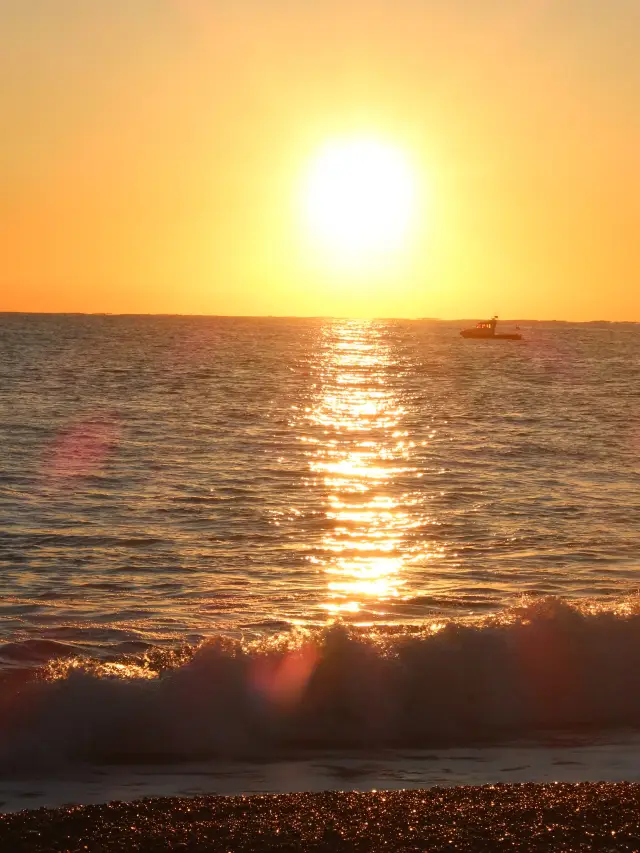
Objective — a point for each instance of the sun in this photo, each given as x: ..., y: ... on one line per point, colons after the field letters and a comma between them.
x: 359, y: 200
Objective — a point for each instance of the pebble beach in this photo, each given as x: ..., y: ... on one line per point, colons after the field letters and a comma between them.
x: 523, y: 817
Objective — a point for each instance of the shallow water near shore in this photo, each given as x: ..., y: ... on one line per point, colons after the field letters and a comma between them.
x: 612, y: 759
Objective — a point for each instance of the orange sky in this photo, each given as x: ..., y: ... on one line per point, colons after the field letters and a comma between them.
x: 152, y: 152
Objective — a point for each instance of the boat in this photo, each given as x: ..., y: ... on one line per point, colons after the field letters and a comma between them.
x: 486, y: 331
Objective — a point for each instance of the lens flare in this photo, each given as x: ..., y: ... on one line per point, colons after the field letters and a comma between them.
x: 82, y: 448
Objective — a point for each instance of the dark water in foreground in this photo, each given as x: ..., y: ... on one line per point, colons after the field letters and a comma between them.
x: 398, y: 537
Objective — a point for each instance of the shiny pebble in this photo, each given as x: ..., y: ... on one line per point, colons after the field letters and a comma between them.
x: 527, y: 817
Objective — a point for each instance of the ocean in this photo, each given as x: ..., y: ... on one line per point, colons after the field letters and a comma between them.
x: 245, y: 555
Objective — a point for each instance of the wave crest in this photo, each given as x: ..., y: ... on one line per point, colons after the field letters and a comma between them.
x: 548, y: 665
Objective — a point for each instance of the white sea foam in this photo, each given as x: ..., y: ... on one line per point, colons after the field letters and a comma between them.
x: 549, y: 666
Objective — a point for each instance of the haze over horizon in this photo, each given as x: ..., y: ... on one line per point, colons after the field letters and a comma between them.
x: 448, y: 321
x: 156, y: 155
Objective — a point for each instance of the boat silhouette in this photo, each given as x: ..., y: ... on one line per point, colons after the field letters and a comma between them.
x: 486, y: 331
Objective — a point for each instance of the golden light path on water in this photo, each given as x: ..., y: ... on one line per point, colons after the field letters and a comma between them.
x: 362, y: 461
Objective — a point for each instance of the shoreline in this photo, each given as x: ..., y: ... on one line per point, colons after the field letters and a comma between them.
x: 523, y: 817
x: 561, y: 759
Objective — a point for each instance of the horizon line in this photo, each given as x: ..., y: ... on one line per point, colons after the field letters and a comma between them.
x: 304, y: 317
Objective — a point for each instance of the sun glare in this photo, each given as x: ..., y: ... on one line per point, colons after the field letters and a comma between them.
x: 359, y: 199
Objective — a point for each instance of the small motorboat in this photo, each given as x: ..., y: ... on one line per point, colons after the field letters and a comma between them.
x: 486, y: 331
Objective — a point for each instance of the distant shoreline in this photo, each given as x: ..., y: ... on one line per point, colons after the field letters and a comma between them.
x: 276, y: 317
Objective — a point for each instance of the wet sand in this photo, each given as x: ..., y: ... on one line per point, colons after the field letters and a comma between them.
x: 525, y: 817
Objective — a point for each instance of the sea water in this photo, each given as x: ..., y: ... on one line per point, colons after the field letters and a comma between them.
x: 232, y: 540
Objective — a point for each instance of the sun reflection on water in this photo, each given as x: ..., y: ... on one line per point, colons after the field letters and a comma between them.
x: 362, y: 458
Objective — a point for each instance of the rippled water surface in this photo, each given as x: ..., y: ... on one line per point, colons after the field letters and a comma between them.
x: 166, y: 479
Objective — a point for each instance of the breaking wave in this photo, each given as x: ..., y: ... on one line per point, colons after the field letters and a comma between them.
x: 546, y: 666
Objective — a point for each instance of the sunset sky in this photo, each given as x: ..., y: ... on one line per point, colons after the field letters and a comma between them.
x: 155, y: 155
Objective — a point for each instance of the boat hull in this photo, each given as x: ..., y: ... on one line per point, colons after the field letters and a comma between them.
x: 473, y: 335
